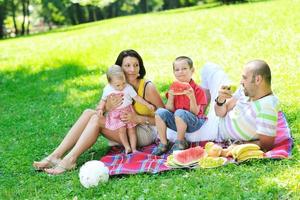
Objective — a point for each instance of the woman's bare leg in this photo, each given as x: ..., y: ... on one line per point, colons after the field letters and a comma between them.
x: 132, y: 138
x: 68, y: 142
x: 124, y: 139
x: 86, y: 140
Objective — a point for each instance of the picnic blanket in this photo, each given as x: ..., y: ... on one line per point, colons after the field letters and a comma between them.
x: 143, y: 161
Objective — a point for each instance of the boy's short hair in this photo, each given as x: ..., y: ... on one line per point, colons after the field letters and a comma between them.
x: 187, y: 59
x: 114, y: 71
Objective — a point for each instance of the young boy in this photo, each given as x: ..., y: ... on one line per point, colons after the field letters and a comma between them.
x: 184, y: 111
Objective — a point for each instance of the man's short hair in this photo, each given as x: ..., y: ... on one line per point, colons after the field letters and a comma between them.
x: 260, y: 67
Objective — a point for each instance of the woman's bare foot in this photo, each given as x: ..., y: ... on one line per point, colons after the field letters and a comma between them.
x: 61, y: 167
x: 46, y: 163
x: 134, y: 150
x: 128, y: 150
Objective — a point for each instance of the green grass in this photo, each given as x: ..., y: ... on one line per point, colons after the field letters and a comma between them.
x: 47, y: 80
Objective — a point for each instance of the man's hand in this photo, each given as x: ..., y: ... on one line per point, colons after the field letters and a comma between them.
x: 224, y: 93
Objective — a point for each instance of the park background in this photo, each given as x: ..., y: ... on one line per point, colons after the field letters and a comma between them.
x: 48, y: 79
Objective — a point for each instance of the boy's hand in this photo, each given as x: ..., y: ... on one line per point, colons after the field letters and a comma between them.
x: 189, y: 93
x: 171, y: 93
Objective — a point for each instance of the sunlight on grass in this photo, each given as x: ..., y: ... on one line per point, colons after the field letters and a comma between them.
x: 47, y: 80
x: 288, y: 179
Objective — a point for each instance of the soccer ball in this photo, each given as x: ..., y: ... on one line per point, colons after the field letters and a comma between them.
x: 93, y: 172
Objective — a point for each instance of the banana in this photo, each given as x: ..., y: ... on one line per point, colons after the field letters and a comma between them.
x: 250, y: 157
x: 239, y: 149
x: 250, y: 154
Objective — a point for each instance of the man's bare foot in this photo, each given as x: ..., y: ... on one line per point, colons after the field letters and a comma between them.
x: 61, y: 167
x: 46, y: 163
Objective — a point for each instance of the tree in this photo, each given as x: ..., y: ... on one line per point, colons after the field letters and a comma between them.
x: 144, y: 6
x: 3, y: 5
x: 171, y: 4
x: 102, y: 5
x: 25, y: 9
x: 53, y: 12
x: 14, y: 7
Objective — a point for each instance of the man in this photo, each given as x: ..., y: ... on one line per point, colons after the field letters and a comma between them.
x: 250, y: 114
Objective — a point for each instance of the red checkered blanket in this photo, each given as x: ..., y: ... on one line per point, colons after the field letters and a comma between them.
x: 144, y: 161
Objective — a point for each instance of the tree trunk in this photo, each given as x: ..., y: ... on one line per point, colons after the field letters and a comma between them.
x: 2, y: 17
x: 73, y: 14
x: 13, y: 11
x: 174, y: 4
x: 79, y: 14
x: 144, y: 6
x: 28, y: 17
x: 113, y: 11
x: 49, y: 25
x: 94, y: 13
x: 171, y: 4
x: 24, y: 17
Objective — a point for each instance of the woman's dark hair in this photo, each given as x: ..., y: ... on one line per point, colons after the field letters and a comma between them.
x: 132, y: 53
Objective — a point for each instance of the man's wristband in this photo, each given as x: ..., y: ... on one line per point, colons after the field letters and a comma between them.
x: 218, y: 103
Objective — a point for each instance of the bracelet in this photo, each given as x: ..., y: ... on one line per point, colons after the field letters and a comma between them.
x: 147, y: 121
x: 218, y: 103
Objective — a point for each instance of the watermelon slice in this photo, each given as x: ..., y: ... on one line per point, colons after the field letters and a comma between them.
x: 179, y: 87
x: 188, y: 156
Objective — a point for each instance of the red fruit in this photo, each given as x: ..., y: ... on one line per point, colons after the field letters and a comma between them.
x: 179, y: 87
x: 188, y: 156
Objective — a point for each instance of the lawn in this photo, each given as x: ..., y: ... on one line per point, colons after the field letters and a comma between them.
x: 47, y: 80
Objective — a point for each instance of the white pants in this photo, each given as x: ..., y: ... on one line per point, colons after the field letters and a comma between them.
x: 213, y: 77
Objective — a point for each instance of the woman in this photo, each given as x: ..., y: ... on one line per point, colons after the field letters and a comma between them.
x: 87, y: 128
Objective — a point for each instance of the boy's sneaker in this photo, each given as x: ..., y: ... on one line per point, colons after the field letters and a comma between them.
x: 161, y: 149
x: 180, y: 145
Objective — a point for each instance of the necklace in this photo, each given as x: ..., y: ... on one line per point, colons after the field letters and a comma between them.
x: 265, y: 95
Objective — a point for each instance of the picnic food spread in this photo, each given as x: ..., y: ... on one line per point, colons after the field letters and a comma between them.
x: 213, y: 155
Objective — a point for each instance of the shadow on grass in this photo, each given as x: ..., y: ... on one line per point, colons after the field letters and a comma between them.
x: 23, y: 86
x: 37, y: 108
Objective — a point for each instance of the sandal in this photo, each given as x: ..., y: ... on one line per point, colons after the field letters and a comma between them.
x: 45, y: 163
x: 180, y: 145
x: 59, y: 169
x: 161, y: 149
